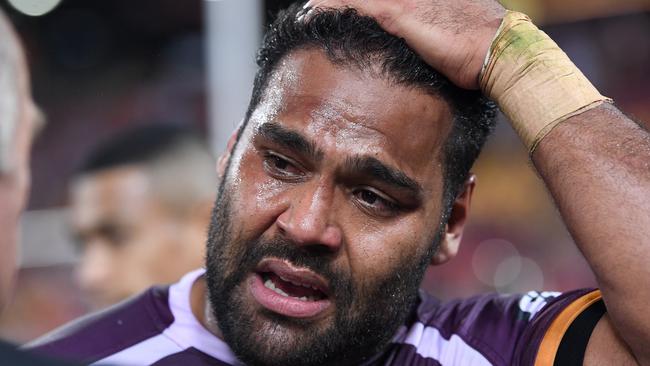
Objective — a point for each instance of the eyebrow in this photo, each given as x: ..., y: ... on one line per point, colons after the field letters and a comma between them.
x: 290, y: 139
x: 370, y: 166
x: 357, y: 165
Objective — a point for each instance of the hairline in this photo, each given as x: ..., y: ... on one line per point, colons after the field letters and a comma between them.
x: 153, y: 170
x: 442, y: 157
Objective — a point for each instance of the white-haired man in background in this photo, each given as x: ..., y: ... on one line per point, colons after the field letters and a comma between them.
x: 18, y: 119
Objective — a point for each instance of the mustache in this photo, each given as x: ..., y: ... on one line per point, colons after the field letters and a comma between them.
x: 312, y: 258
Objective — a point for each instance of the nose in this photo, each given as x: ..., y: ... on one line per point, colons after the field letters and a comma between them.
x: 93, y: 269
x: 309, y: 219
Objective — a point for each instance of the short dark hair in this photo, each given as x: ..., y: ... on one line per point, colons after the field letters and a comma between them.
x: 137, y: 145
x: 350, y: 39
x: 177, y: 161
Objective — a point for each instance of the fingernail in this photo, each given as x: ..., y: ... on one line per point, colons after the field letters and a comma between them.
x: 301, y: 14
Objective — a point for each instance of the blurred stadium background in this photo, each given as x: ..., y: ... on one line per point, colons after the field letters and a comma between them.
x: 100, y: 66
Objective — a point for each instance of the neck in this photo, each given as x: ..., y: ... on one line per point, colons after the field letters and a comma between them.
x: 201, y: 307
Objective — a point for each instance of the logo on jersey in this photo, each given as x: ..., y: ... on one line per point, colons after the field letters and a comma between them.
x: 532, y: 302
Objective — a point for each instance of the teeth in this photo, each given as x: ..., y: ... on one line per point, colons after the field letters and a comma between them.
x: 298, y: 283
x: 270, y: 285
x: 307, y: 298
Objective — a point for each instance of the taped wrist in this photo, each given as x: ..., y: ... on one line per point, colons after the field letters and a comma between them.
x: 533, y: 81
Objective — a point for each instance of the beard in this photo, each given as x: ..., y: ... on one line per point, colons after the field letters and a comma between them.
x: 367, y: 313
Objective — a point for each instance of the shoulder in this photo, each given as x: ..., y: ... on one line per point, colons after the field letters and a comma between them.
x: 561, y: 331
x: 480, y: 317
x: 99, y: 335
x: 488, y: 329
x: 480, y: 330
x: 12, y: 356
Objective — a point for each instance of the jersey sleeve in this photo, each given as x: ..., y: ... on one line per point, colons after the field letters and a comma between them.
x: 99, y: 335
x: 558, y: 333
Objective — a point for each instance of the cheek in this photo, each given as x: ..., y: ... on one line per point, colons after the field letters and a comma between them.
x: 256, y: 199
x: 375, y: 250
x: 151, y: 250
x: 266, y: 193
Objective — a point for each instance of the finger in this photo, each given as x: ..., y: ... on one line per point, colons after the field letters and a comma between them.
x: 315, y: 3
x: 312, y: 5
x: 309, y: 9
x: 363, y: 7
x: 305, y: 14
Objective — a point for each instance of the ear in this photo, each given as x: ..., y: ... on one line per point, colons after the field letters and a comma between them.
x: 456, y: 224
x: 222, y: 161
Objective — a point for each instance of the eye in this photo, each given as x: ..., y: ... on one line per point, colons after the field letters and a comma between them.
x: 115, y: 236
x: 79, y: 240
x: 368, y: 197
x: 376, y: 202
x: 278, y: 162
x: 280, y: 166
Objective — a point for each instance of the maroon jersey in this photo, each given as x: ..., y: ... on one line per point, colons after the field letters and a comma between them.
x: 158, y: 328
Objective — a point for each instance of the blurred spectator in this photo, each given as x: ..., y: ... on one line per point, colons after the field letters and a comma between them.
x: 19, y: 115
x: 138, y: 222
x: 19, y: 120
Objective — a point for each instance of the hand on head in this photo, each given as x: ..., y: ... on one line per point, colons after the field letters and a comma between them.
x: 451, y: 36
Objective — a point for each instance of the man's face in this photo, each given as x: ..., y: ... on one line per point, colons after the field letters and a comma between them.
x: 129, y: 239
x: 327, y: 215
x: 16, y: 102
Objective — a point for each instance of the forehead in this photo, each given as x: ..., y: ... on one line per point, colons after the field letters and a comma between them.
x: 355, y: 111
x: 120, y: 194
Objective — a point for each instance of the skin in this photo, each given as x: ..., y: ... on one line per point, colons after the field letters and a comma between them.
x: 130, y: 239
x: 461, y: 30
x: 317, y: 203
x: 14, y: 184
x: 608, y: 215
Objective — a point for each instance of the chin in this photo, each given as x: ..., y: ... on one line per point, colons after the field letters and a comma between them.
x: 261, y: 337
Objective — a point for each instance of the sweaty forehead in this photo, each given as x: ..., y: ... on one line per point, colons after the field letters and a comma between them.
x: 342, y: 105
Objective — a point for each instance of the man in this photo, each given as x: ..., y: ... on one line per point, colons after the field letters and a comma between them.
x: 136, y: 221
x: 17, y: 123
x: 350, y: 176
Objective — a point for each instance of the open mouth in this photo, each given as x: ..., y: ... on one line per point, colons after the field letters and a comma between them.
x: 285, y: 289
x: 296, y: 289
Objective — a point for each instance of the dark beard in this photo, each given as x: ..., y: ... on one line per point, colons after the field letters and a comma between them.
x: 366, y: 316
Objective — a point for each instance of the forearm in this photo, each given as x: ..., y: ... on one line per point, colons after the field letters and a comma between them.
x: 597, y: 168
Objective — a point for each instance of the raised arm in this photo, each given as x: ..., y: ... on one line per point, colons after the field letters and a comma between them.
x: 594, y: 160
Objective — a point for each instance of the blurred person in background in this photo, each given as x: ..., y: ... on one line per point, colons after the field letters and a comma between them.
x: 17, y: 124
x: 19, y: 119
x: 351, y: 175
x: 136, y: 219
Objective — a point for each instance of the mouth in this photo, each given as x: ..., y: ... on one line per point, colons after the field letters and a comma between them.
x: 291, y: 291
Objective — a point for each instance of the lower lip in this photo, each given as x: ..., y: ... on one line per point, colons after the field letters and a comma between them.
x: 285, y: 305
